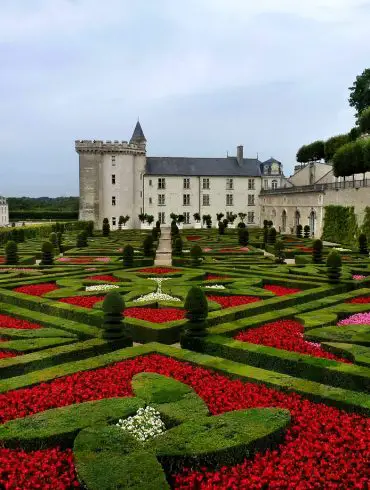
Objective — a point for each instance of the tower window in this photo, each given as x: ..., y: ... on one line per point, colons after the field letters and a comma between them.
x: 229, y: 184
x: 251, y: 200
x: 113, y: 200
x: 205, y: 199
x: 229, y: 200
x: 274, y: 184
x: 150, y: 200
x: 150, y: 182
x: 113, y: 158
x: 161, y: 199
x: 186, y: 183
x: 205, y: 183
x: 250, y: 217
x: 113, y: 178
x: 187, y: 218
x: 161, y: 183
x: 113, y: 221
x: 251, y: 184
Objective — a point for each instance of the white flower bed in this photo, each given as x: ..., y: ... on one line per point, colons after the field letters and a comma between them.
x: 146, y: 424
x: 339, y: 249
x: 215, y: 286
x: 158, y: 295
x: 101, y: 287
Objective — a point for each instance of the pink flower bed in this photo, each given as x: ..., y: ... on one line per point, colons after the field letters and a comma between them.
x: 83, y: 260
x: 358, y: 277
x: 357, y: 319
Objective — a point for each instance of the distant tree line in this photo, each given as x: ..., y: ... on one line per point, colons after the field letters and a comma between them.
x: 37, y: 208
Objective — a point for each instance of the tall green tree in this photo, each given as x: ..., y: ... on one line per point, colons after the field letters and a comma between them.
x: 333, y: 144
x: 360, y: 92
x: 364, y: 120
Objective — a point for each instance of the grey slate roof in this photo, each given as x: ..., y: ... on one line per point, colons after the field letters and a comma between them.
x: 272, y: 160
x: 138, y: 134
x: 202, y: 166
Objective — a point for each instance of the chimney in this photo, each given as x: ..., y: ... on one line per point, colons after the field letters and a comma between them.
x: 239, y: 154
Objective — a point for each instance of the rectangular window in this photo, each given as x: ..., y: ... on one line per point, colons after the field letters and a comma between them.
x: 186, y: 199
x: 205, y: 184
x: 228, y: 214
x: 229, y: 184
x: 274, y: 184
x: 250, y: 199
x: 150, y: 182
x: 113, y: 200
x: 187, y: 218
x: 150, y: 200
x: 251, y: 184
x: 141, y: 193
x: 229, y: 200
x: 250, y: 216
x: 161, y: 183
x: 113, y: 158
x: 113, y: 221
x: 265, y: 184
x: 161, y: 199
x: 205, y: 199
x: 186, y: 183
x: 113, y: 178
x: 162, y: 218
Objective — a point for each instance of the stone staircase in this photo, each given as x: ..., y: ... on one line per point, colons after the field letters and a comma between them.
x: 164, y: 250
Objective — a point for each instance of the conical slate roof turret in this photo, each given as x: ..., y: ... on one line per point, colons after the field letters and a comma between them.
x: 138, y: 134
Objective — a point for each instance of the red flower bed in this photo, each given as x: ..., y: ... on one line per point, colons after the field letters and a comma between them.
x: 155, y: 315
x: 106, y: 278
x: 7, y: 321
x: 5, y: 354
x: 193, y: 238
x: 280, y: 290
x: 324, y: 447
x: 286, y: 335
x: 2, y: 260
x: 212, y: 277
x: 83, y: 301
x: 306, y: 249
x: 37, y: 289
x: 230, y: 301
x: 360, y: 299
x: 239, y: 249
x: 158, y: 270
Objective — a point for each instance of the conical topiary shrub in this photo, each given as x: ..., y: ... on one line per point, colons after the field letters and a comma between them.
x: 306, y: 230
x: 11, y: 253
x: 362, y: 244
x: 317, y: 247
x: 196, y: 307
x: 60, y: 241
x: 334, y: 266
x: 53, y: 239
x: 148, y: 246
x: 106, y: 227
x: 265, y: 236
x: 128, y: 256
x: 113, y: 326
x: 90, y: 228
x: 299, y: 231
x: 196, y: 255
x: 271, y: 239
x: 21, y: 235
x: 82, y: 239
x: 177, y: 249
x: 47, y: 254
x: 243, y: 236
x: 279, y: 252
x: 221, y: 228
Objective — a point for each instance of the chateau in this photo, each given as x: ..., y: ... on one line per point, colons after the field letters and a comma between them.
x: 4, y: 212
x: 117, y: 178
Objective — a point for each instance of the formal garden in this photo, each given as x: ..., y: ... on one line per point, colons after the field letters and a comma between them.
x: 244, y: 363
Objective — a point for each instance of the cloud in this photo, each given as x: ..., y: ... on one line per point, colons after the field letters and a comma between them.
x: 273, y: 75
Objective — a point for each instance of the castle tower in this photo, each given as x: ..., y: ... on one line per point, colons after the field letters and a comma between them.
x: 111, y: 179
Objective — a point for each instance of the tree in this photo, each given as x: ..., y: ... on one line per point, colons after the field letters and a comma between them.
x: 128, y: 256
x: 221, y: 228
x: 196, y: 306
x: 196, y: 216
x: 150, y: 219
x: 317, y: 247
x: 271, y: 239
x: 311, y: 153
x: 120, y: 222
x: 53, y: 239
x: 113, y: 327
x: 196, y: 254
x: 362, y: 244
x: 302, y: 154
x: 60, y: 241
x: 243, y: 237
x: 279, y: 252
x: 106, y: 227
x: 334, y: 266
x: 242, y: 216
x: 219, y: 216
x: 333, y: 144
x: 89, y: 228
x: 81, y: 240
x: 11, y: 253
x: 364, y: 120
x: 177, y: 247
x: 349, y: 159
x: 47, y: 254
x: 360, y: 92
x: 148, y: 246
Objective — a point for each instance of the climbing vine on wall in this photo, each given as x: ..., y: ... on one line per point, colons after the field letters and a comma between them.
x: 340, y: 225
x: 366, y: 223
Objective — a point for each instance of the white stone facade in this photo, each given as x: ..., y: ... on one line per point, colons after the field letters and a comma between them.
x: 4, y: 212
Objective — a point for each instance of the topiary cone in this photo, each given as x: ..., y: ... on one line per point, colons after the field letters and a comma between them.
x: 11, y: 253
x: 196, y: 307
x: 113, y: 326
x: 47, y: 254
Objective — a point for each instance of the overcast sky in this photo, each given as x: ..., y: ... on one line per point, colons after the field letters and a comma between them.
x: 202, y: 75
